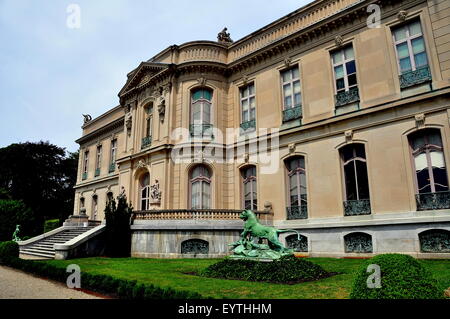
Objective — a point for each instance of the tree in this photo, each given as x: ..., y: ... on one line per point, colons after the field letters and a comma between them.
x: 42, y: 175
x: 12, y: 213
x: 118, y: 233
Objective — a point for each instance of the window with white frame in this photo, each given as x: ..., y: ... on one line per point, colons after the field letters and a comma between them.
x: 250, y: 200
x: 248, y: 103
x: 200, y: 187
x: 112, y: 160
x: 144, y: 184
x: 344, y: 67
x: 149, y: 120
x: 85, y: 164
x: 290, y: 83
x: 201, y: 104
x: 410, y: 47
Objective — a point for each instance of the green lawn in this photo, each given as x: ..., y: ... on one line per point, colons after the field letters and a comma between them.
x: 172, y: 273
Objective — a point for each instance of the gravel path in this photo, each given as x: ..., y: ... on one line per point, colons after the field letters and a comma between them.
x: 15, y: 284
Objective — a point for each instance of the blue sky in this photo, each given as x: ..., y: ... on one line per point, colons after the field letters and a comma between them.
x: 51, y: 74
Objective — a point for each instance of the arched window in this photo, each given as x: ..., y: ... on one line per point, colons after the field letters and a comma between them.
x: 296, y: 174
x: 200, y: 187
x: 358, y: 243
x: 195, y: 246
x: 297, y: 245
x: 430, y: 170
x: 249, y: 187
x: 201, y: 102
x: 435, y: 241
x: 144, y: 184
x: 356, y: 180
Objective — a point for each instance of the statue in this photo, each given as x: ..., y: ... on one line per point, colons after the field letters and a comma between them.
x: 87, y: 118
x: 155, y: 192
x: 253, y: 229
x: 224, y: 36
x: 122, y: 193
x: 16, y: 234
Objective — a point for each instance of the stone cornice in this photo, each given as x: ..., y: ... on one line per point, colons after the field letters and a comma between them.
x: 101, y: 131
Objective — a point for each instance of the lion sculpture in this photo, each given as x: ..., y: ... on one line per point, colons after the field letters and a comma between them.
x: 253, y: 229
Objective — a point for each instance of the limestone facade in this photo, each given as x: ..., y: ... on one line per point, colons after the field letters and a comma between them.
x: 339, y: 105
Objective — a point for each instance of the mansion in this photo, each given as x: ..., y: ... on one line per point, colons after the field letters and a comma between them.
x: 325, y: 121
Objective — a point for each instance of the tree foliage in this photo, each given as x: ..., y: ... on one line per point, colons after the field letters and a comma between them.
x: 12, y: 213
x: 42, y: 175
x: 118, y: 233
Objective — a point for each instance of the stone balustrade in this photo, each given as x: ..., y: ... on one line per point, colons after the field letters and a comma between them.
x: 199, y: 214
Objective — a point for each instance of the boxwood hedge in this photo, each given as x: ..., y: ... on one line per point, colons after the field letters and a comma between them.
x: 402, y: 277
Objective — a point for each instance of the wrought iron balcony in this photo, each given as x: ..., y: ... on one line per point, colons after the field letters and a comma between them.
x: 416, y: 77
x: 357, y: 207
x: 112, y: 167
x: 201, y: 130
x: 177, y: 214
x: 146, y: 142
x: 248, y: 126
x: 84, y: 176
x: 433, y: 201
x: 292, y: 113
x: 97, y: 172
x: 347, y: 97
x: 297, y: 212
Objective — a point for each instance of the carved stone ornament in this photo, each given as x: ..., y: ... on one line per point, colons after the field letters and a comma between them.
x: 141, y: 164
x: 348, y: 135
x: 122, y: 193
x: 291, y: 148
x: 338, y: 40
x: 402, y: 15
x: 287, y: 62
x: 87, y: 118
x: 245, y: 79
x: 128, y: 120
x: 267, y: 206
x: 420, y: 120
x: 224, y: 36
x: 201, y: 80
x: 246, y: 157
x: 162, y: 109
x: 155, y: 192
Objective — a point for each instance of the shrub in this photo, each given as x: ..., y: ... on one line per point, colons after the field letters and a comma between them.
x: 402, y: 277
x: 118, y: 233
x: 51, y: 224
x: 287, y: 269
x: 8, y: 250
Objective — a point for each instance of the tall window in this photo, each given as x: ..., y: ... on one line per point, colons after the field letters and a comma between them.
x: 201, y: 102
x: 249, y: 187
x: 296, y: 174
x: 356, y: 180
x: 292, y: 97
x: 200, y: 187
x: 410, y: 47
x: 429, y: 161
x: 144, y: 184
x: 98, y: 161
x: 85, y: 164
x: 344, y: 67
x: 248, y: 106
x: 149, y: 120
x: 112, y: 160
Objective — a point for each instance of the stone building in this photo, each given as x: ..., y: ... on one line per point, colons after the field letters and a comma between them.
x: 323, y: 121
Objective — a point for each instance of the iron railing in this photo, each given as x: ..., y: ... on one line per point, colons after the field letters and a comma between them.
x: 248, y: 126
x: 97, y: 172
x: 347, y: 97
x: 146, y: 142
x: 416, y: 77
x: 112, y: 167
x: 292, y: 113
x: 357, y: 207
x: 201, y: 130
x: 433, y: 201
x: 297, y: 212
x: 84, y: 176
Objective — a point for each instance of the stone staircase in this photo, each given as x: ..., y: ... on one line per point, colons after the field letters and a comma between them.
x: 45, y: 247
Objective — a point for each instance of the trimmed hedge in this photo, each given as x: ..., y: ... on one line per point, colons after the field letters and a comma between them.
x: 121, y: 288
x: 8, y: 250
x: 288, y: 269
x: 51, y: 224
x: 402, y: 277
